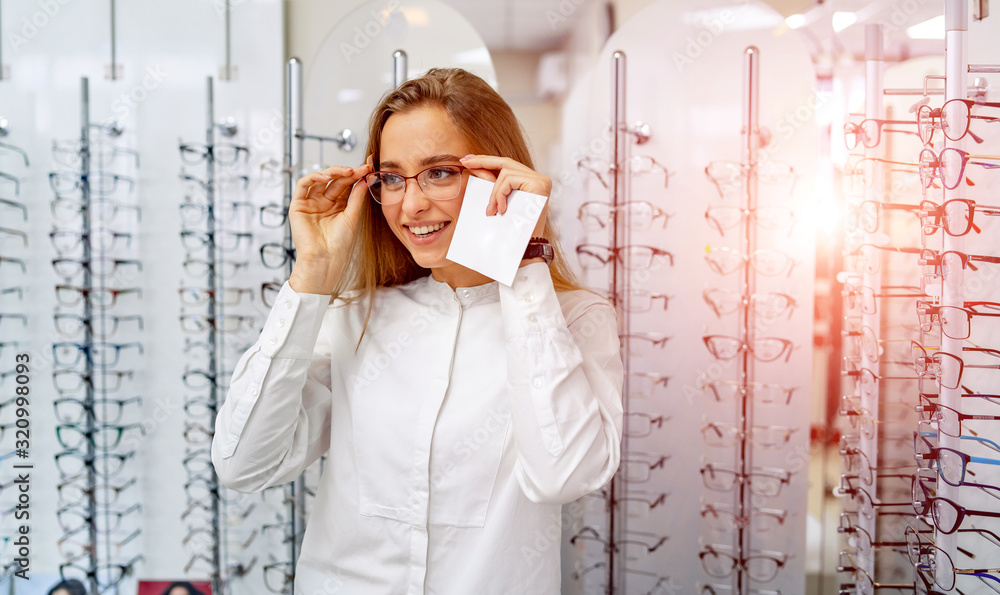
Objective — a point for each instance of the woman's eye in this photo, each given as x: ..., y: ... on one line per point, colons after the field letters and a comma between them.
x: 440, y: 173
x: 392, y: 179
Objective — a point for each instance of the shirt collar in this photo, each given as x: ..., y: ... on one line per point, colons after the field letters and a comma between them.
x: 468, y: 296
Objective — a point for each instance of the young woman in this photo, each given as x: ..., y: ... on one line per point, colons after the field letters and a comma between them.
x: 457, y: 414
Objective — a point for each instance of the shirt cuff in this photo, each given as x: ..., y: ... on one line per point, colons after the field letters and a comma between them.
x: 292, y: 326
x: 535, y: 301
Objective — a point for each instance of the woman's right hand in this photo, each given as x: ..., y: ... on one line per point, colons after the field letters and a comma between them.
x: 324, y: 214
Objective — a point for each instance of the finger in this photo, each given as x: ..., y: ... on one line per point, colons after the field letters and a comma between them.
x: 492, y: 162
x: 317, y: 178
x: 339, y: 187
x: 359, y: 194
x: 505, y: 184
x: 484, y: 174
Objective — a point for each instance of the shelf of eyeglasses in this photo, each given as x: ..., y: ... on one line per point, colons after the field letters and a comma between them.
x: 107, y: 574
x: 635, y: 546
x: 957, y: 217
x: 769, y: 262
x: 761, y: 566
x: 953, y: 119
x: 764, y: 349
x: 639, y: 216
x: 729, y: 177
x: 596, y: 257
x: 762, y: 481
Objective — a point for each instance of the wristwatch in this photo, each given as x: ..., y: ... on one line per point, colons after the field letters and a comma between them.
x: 539, y: 248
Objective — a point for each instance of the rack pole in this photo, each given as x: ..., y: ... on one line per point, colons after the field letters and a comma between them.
x: 953, y: 281
x: 744, y: 463
x: 214, y: 316
x: 293, y: 164
x: 399, y: 67
x: 88, y: 333
x: 619, y: 281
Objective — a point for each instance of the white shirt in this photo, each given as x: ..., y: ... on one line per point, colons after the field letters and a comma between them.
x: 455, y: 432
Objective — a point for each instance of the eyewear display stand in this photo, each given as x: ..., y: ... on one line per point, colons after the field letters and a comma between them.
x: 90, y: 423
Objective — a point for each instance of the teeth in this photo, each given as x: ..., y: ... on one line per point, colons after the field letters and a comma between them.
x: 422, y: 231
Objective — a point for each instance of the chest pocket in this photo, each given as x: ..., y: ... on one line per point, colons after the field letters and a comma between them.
x: 428, y: 443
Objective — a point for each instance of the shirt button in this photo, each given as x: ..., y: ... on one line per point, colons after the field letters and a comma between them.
x: 523, y: 277
x: 272, y: 341
x: 529, y: 298
x: 465, y: 293
x: 532, y: 318
x: 253, y: 389
x: 538, y: 383
x: 288, y: 304
x: 281, y: 322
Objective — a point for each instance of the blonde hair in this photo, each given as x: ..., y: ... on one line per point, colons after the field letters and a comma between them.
x: 487, y: 124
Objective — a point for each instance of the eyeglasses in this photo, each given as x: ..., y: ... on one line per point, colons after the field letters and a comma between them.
x: 728, y: 175
x: 19, y: 262
x: 868, y: 303
x: 72, y: 463
x: 98, y: 183
x: 68, y: 381
x: 18, y: 150
x: 17, y: 205
x: 275, y: 256
x: 278, y: 576
x: 640, y: 470
x: 726, y: 435
x: 952, y: 260
x: 925, y: 556
x: 861, y: 173
x: 640, y: 215
x: 638, y: 425
x: 68, y: 354
x: 70, y: 410
x: 865, y: 216
x: 440, y: 182
x: 225, y: 240
x: 953, y: 118
x: 70, y: 491
x: 654, y: 340
x: 100, y: 298
x: 956, y: 323
x: 763, y: 481
x: 949, y: 421
x: 761, y: 567
x: 762, y: 520
x: 72, y: 325
x: 771, y: 218
x: 765, y: 261
x: 641, y: 300
x: 200, y: 296
x: 214, y: 185
x: 104, y: 210
x: 869, y: 132
x: 767, y: 305
x: 228, y: 323
x: 642, y: 384
x: 102, y: 268
x: 949, y: 166
x: 66, y: 240
x: 221, y: 153
x: 197, y: 267
x: 947, y: 368
x: 951, y: 463
x: 70, y: 153
x: 15, y: 233
x: 104, y: 436
x: 15, y: 180
x: 760, y: 392
x: 594, y: 256
x: 923, y: 490
x: 637, y: 165
x: 764, y: 349
x: 955, y: 216
x: 195, y: 213
x: 273, y: 215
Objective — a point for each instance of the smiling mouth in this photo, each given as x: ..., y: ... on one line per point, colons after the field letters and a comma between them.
x: 425, y: 231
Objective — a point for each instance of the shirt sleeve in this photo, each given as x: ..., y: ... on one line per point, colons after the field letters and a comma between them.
x: 274, y: 421
x: 564, y: 382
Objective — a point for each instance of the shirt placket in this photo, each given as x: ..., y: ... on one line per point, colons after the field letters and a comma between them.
x: 447, y: 337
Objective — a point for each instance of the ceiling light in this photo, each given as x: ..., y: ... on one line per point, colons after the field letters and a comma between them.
x: 930, y: 29
x: 795, y: 21
x: 843, y: 20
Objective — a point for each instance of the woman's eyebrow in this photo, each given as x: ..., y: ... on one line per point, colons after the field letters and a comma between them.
x: 423, y: 162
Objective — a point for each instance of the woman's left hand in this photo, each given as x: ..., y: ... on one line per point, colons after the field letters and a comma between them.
x: 508, y: 175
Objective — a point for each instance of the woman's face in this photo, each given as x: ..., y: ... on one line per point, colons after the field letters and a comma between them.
x: 412, y: 142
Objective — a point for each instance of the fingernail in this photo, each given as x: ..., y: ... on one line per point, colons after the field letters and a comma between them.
x: 469, y: 156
